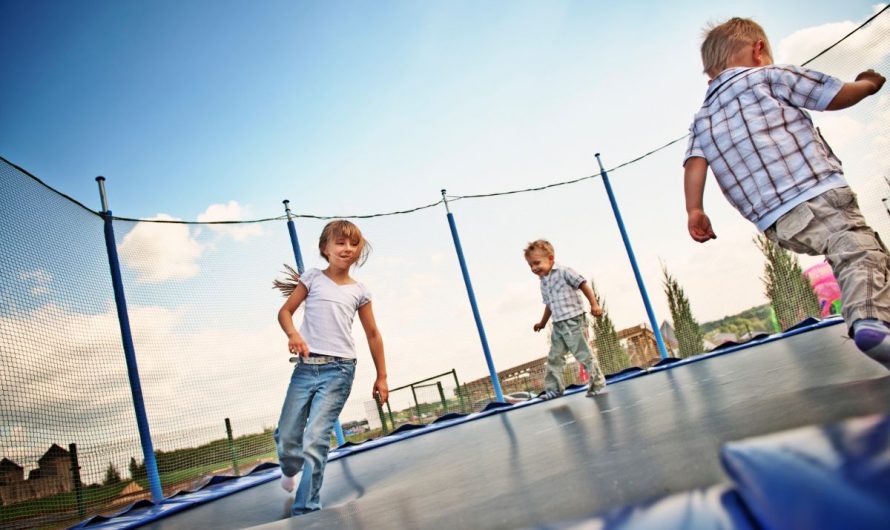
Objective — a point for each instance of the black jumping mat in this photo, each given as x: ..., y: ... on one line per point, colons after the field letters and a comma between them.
x: 572, y: 456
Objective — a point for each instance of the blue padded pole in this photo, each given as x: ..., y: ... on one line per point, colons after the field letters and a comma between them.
x: 633, y: 260
x: 295, y: 243
x: 148, y: 453
x: 495, y: 383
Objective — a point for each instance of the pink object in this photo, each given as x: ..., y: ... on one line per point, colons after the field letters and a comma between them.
x: 583, y: 376
x: 825, y: 286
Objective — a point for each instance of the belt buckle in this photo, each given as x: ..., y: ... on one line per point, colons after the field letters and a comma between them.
x: 317, y: 359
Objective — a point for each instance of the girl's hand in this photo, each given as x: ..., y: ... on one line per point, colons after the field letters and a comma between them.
x: 297, y: 346
x: 381, y: 390
x: 538, y: 327
x: 596, y: 310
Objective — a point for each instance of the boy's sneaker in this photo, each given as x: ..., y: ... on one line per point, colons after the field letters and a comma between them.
x: 873, y: 338
x: 549, y: 394
x: 288, y: 483
x: 596, y: 390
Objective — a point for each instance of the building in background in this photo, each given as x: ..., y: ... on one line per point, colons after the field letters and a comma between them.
x: 640, y: 345
x: 52, y: 476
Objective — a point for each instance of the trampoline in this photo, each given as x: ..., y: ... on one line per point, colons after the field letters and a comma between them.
x: 544, y: 462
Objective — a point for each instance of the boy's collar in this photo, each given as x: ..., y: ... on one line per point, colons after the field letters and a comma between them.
x: 555, y: 266
x: 727, y: 75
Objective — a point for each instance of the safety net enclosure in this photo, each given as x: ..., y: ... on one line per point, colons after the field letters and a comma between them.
x: 82, y: 436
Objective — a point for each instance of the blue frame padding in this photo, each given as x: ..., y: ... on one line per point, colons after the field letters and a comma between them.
x: 714, y: 508
x: 145, y: 512
x: 819, y: 478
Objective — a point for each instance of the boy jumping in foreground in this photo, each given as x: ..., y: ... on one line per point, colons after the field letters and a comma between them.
x: 775, y: 168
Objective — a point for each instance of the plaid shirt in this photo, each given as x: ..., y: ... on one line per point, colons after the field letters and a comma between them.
x: 559, y: 289
x: 760, y: 142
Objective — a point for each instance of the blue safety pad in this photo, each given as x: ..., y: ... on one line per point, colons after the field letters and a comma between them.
x: 715, y: 508
x: 831, y: 477
x: 144, y: 512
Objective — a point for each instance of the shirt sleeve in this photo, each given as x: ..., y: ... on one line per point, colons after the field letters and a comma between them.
x: 364, y: 296
x: 573, y: 278
x: 308, y: 277
x: 693, y: 147
x: 804, y: 88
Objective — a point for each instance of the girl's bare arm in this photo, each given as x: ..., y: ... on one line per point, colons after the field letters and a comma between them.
x: 295, y: 342
x: 375, y: 343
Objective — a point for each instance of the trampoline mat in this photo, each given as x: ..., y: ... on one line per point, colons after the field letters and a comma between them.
x: 573, y: 456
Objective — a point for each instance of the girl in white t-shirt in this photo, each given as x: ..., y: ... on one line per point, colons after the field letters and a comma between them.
x: 325, y: 368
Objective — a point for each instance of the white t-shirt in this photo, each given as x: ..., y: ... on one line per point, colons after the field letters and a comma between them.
x: 329, y: 312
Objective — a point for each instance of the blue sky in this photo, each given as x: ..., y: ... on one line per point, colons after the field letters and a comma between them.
x: 184, y: 104
x: 219, y: 110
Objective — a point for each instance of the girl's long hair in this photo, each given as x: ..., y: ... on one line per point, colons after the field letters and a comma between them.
x: 290, y: 281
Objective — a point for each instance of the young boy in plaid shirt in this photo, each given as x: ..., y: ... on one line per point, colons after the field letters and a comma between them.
x: 559, y: 289
x: 773, y: 166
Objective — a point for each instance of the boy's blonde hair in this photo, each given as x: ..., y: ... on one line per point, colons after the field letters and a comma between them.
x: 723, y: 40
x: 344, y: 228
x: 539, y: 244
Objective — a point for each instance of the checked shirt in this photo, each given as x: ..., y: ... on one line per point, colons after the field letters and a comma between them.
x: 761, y: 144
x: 559, y: 289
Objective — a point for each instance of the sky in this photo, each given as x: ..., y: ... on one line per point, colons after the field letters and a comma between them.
x: 219, y: 110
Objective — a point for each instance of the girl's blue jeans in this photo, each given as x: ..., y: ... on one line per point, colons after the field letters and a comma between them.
x: 315, y: 397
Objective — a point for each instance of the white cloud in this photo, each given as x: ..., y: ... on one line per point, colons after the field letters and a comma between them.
x: 804, y: 44
x: 70, y: 383
x: 839, y: 129
x: 159, y: 252
x: 231, y: 211
x: 39, y: 280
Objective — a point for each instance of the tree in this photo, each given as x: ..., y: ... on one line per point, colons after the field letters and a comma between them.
x: 137, y: 472
x: 686, y: 328
x: 112, y: 475
x: 611, y: 355
x: 789, y: 291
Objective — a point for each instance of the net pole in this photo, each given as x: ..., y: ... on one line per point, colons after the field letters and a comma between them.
x: 416, y: 403
x: 392, y: 421
x: 232, y: 450
x: 148, y: 453
x: 298, y: 256
x: 78, y: 484
x: 442, y: 397
x: 381, y: 415
x: 294, y: 241
x: 662, y: 350
x: 460, y: 395
x: 495, y: 383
